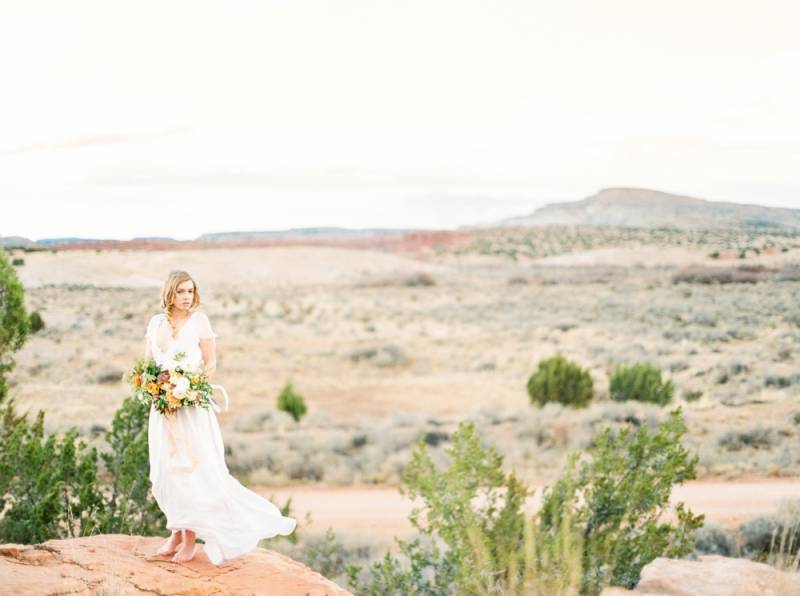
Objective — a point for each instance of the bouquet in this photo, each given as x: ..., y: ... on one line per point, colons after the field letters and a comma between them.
x: 177, y: 385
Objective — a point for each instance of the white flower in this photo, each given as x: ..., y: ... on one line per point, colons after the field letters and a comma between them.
x: 181, y: 386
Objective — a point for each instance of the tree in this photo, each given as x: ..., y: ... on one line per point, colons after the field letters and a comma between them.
x: 14, y: 319
x: 291, y: 402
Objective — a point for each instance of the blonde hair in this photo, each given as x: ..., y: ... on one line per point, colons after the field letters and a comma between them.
x: 174, y: 279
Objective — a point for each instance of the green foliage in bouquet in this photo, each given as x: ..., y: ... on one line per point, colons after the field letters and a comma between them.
x: 291, y: 402
x: 169, y: 388
x: 559, y: 380
x: 640, y: 382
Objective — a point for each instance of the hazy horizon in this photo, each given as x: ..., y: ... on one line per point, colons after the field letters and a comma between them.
x: 246, y: 229
x: 178, y: 119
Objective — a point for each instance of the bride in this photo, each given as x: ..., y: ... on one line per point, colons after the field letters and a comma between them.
x: 190, y: 479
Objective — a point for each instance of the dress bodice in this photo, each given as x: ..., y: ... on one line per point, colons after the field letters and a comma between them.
x: 164, y: 347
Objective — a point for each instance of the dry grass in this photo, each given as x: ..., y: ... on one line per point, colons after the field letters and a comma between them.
x: 386, y: 348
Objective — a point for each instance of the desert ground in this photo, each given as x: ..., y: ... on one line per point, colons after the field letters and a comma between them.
x: 387, y: 346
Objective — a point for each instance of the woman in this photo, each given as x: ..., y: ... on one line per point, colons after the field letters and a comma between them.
x: 188, y: 473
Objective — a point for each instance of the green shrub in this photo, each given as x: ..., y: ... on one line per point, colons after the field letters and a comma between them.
x: 777, y: 533
x: 420, y: 569
x: 640, y: 382
x: 291, y: 402
x: 692, y: 395
x: 472, y: 492
x: 55, y: 488
x: 49, y: 485
x: 712, y: 539
x: 14, y: 321
x: 616, y: 500
x: 558, y: 380
x: 599, y: 524
x: 129, y: 507
x: 37, y: 323
x: 756, y: 437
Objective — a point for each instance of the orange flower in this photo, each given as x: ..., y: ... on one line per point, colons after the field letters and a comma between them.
x: 137, y: 381
x: 172, y: 401
x: 152, y: 388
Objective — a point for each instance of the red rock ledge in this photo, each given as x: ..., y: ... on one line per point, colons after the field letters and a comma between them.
x: 122, y: 564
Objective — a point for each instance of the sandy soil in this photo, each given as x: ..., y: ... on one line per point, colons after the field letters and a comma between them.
x: 382, y: 512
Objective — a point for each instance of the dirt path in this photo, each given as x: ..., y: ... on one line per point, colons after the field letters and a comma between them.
x: 382, y: 512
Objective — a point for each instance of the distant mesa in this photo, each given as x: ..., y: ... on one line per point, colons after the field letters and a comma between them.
x: 317, y: 232
x: 153, y: 239
x: 643, y: 208
x: 71, y: 240
x: 376, y: 238
x: 611, y: 207
x: 15, y: 241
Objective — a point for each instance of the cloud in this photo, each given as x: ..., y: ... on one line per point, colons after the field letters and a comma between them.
x: 93, y: 140
x: 334, y: 178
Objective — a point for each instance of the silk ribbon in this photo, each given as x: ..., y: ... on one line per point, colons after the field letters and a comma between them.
x: 213, y: 401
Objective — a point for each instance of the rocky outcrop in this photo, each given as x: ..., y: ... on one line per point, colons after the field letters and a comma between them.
x: 712, y: 576
x: 121, y: 564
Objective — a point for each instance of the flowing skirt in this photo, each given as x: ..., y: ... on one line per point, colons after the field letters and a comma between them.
x: 193, y: 487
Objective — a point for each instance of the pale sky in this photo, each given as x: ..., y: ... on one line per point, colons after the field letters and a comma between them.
x: 177, y: 118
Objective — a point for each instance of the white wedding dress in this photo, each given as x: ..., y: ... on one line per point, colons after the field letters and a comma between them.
x: 190, y: 479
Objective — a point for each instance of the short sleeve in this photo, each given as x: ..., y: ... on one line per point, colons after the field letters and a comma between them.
x: 150, y: 326
x: 204, y: 330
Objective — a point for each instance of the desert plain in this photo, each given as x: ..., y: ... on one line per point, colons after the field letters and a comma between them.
x: 390, y: 344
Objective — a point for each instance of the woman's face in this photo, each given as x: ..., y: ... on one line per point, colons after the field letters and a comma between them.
x: 184, y: 295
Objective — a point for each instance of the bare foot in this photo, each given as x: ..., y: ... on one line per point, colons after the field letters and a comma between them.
x: 185, y: 553
x: 171, y: 545
x: 188, y: 548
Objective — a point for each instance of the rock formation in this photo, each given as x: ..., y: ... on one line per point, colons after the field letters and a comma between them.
x: 121, y: 564
x: 712, y: 576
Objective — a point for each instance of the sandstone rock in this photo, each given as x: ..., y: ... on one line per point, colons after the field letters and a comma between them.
x: 712, y: 575
x: 121, y: 564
